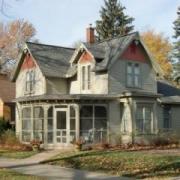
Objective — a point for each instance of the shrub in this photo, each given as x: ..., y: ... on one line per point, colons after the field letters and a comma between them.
x: 9, y: 137
x: 8, y: 140
x: 4, y: 125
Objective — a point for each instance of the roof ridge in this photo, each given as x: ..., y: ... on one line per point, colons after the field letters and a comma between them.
x: 28, y: 42
x: 119, y: 36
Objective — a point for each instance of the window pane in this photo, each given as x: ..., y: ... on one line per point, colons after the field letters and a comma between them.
x: 86, y: 124
x: 136, y: 81
x: 129, y: 80
x: 38, y: 124
x: 50, y: 112
x: 89, y: 77
x: 26, y: 136
x: 38, y: 112
x: 50, y: 137
x: 100, y: 124
x: 83, y: 77
x: 86, y: 111
x: 26, y: 112
x: 100, y: 111
x: 147, y: 126
x: 167, y: 116
x: 72, y: 111
x: 61, y: 120
x: 50, y: 124
x: 139, y: 119
x: 136, y: 69
x: 129, y: 68
x: 72, y: 124
x: 26, y: 124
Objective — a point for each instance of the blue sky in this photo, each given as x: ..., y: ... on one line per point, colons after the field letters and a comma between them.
x: 63, y: 22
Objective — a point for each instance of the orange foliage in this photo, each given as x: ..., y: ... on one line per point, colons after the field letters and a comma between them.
x: 159, y: 46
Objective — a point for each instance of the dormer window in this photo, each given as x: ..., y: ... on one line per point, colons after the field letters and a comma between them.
x: 133, y: 75
x: 30, y: 81
x: 86, y: 77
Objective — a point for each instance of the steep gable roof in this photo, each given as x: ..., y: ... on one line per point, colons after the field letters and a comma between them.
x: 111, y: 49
x: 53, y: 61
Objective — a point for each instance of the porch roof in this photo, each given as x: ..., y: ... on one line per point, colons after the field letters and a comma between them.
x: 62, y: 97
x: 170, y: 100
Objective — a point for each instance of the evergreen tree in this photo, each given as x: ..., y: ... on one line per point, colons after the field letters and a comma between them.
x: 176, y: 49
x: 113, y: 21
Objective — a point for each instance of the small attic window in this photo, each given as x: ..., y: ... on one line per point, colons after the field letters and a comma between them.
x: 98, y: 60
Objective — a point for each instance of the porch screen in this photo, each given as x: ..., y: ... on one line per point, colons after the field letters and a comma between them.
x: 38, y: 123
x: 26, y: 124
x: 144, y: 123
x: 50, y: 125
x: 93, y: 123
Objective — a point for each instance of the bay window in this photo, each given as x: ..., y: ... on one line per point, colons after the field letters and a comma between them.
x: 144, y: 119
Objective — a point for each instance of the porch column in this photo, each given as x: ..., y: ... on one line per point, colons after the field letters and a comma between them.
x: 45, y: 125
x: 77, y: 108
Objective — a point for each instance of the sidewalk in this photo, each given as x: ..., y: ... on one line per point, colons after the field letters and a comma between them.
x: 36, y: 159
x: 32, y: 166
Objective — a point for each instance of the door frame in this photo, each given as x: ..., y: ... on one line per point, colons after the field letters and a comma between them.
x: 55, y: 126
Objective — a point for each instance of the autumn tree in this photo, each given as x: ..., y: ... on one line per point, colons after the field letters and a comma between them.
x: 159, y: 47
x: 12, y: 38
x: 113, y: 21
x: 176, y: 45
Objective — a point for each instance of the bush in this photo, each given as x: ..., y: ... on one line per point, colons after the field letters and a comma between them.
x: 4, y: 126
x: 8, y: 140
x: 9, y: 137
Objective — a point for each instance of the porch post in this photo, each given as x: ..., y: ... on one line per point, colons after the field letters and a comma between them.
x: 45, y: 125
x: 77, y: 108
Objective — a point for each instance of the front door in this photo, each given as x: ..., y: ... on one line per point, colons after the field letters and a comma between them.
x: 61, y: 130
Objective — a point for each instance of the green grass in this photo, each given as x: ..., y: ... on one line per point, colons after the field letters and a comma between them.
x: 16, y: 154
x: 12, y: 175
x: 131, y: 164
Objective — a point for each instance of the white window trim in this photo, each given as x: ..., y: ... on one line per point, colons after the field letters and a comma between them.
x: 31, y: 81
x: 86, y: 79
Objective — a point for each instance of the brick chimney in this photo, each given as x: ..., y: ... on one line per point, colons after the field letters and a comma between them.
x: 90, y: 37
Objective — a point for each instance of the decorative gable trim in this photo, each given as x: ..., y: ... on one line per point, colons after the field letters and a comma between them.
x: 79, y: 52
x: 20, y: 62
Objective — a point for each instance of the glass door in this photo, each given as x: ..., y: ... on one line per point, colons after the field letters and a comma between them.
x: 61, y: 126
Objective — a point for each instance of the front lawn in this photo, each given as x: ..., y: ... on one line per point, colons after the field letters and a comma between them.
x: 132, y: 164
x: 9, y: 174
x: 16, y: 154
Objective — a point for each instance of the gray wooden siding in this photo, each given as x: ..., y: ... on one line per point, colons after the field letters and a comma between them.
x: 176, y: 118
x: 117, y: 78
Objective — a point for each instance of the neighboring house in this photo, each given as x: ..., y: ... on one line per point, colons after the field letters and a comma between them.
x: 100, y: 92
x: 177, y: 80
x: 7, y: 94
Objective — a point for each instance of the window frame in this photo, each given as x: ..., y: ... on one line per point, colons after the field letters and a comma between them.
x: 30, y: 81
x: 93, y: 119
x: 167, y: 121
x: 85, y: 77
x: 29, y: 130
x: 133, y: 75
x: 144, y: 119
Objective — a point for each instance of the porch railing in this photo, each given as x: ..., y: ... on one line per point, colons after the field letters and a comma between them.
x: 94, y: 136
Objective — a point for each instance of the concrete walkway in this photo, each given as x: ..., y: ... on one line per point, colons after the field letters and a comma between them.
x: 32, y: 166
